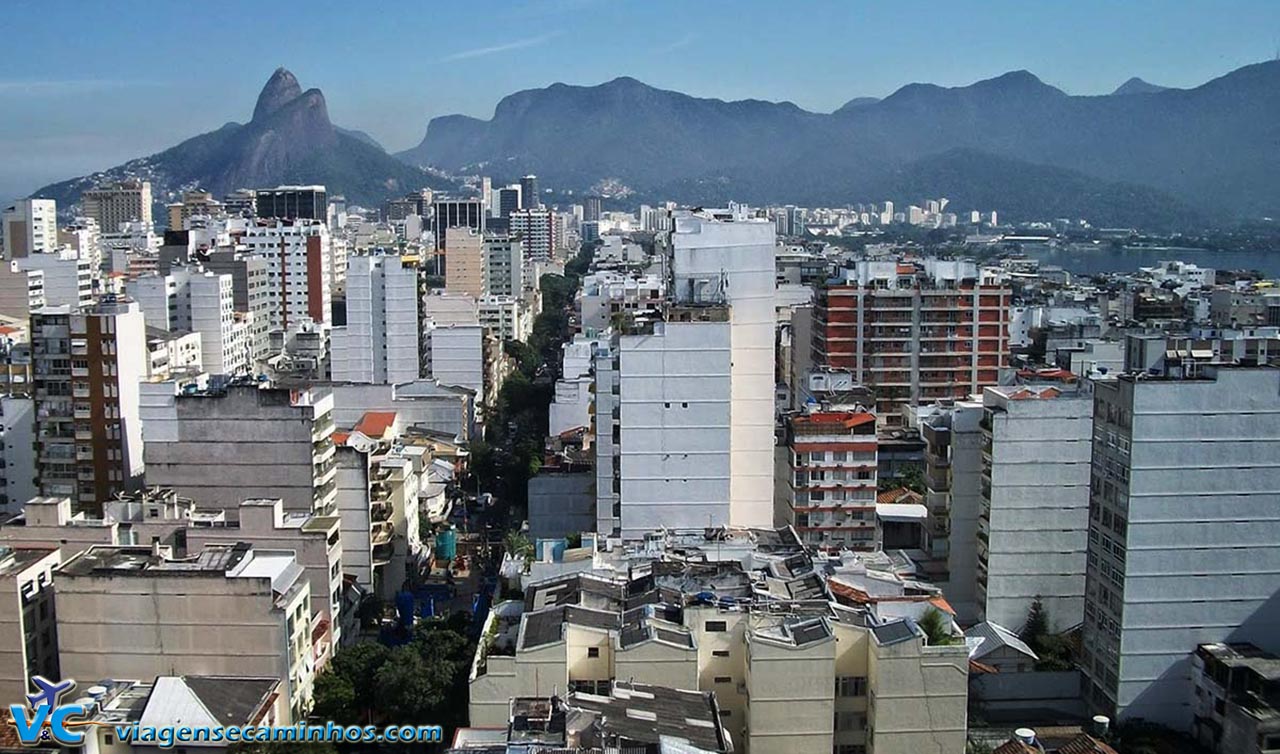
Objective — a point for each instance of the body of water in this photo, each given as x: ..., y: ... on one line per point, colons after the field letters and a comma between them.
x: 1103, y: 259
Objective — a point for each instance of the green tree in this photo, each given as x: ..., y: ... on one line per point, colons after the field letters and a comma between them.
x: 410, y: 690
x: 935, y: 628
x: 344, y: 691
x: 1037, y: 625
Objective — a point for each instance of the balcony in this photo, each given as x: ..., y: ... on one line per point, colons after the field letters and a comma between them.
x: 380, y: 511
x: 382, y: 554
x: 381, y: 533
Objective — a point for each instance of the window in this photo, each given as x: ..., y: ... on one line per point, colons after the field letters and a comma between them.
x: 723, y: 679
x: 720, y: 653
x: 715, y: 626
x: 851, y: 685
x: 851, y: 721
x: 851, y: 749
x: 593, y: 651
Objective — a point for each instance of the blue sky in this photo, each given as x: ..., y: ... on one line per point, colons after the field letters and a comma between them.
x: 88, y: 85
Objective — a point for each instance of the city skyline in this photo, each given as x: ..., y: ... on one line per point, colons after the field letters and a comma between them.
x: 392, y: 74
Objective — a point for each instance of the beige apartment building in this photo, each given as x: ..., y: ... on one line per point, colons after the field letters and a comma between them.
x: 139, y: 612
x: 159, y: 516
x: 113, y: 204
x: 792, y: 670
x: 464, y: 262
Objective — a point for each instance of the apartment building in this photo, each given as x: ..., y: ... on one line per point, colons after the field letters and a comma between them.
x: 30, y: 226
x: 464, y: 264
x: 195, y: 203
x: 1183, y: 536
x: 114, y: 204
x: 826, y: 478
x: 87, y: 366
x: 138, y: 612
x: 17, y: 451
x: 250, y: 292
x: 315, y: 542
x: 67, y: 276
x: 189, y: 299
x: 606, y: 295
x: 695, y: 411
x: 381, y: 339
x: 953, y: 468
x: 1034, y: 521
x: 536, y: 228
x: 504, y: 265
x: 505, y: 317
x: 915, y: 334
x: 1237, y: 698
x: 28, y: 621
x: 792, y: 669
x: 379, y: 488
x: 21, y: 291
x: 299, y: 269
x: 239, y: 441
x: 455, y: 355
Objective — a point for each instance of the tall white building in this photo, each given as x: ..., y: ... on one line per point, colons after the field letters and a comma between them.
x: 30, y: 227
x: 1034, y: 519
x: 380, y: 342
x: 696, y: 390
x: 204, y: 303
x: 537, y: 230
x: 455, y: 356
x: 299, y: 275
x: 1184, y: 536
x: 68, y: 277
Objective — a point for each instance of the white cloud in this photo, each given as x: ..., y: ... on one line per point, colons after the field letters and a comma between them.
x: 518, y: 44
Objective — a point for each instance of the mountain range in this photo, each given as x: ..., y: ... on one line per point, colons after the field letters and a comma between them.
x: 289, y: 139
x: 1143, y: 155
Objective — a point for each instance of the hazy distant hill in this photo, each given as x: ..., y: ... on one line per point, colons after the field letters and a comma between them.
x: 289, y: 140
x: 1213, y: 148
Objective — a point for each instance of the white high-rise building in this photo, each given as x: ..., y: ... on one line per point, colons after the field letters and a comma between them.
x: 203, y: 303
x: 537, y: 229
x: 1035, y: 503
x: 299, y: 275
x: 30, y: 227
x: 696, y: 391
x: 379, y: 344
x: 68, y: 277
x: 1184, y: 534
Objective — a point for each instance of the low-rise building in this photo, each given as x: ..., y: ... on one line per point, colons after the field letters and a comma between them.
x: 138, y: 612
x: 744, y: 613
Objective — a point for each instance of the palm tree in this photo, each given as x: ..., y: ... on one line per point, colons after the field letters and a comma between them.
x: 935, y: 628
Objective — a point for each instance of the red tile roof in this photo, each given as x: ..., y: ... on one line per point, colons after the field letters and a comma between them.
x: 848, y: 419
x: 374, y: 424
x: 899, y: 495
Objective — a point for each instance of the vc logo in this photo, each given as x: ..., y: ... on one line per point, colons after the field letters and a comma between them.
x: 45, y: 710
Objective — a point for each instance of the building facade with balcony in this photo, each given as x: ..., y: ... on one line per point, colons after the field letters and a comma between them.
x: 380, y: 486
x: 826, y: 478
x: 914, y: 334
x: 86, y: 370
